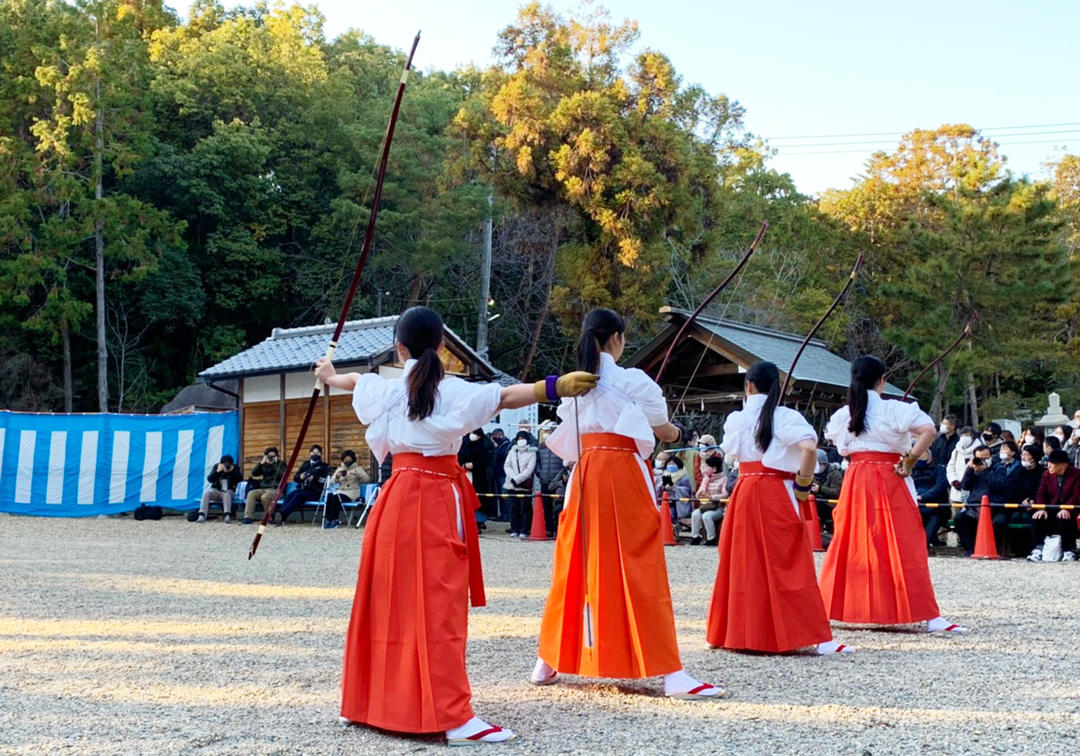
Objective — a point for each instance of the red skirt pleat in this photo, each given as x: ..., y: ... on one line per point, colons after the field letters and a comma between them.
x: 876, y: 569
x: 629, y: 598
x: 766, y: 595
x: 405, y: 648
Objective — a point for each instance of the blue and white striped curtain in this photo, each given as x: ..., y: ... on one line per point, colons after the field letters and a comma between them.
x: 84, y: 465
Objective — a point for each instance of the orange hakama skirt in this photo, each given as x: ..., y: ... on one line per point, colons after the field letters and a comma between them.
x: 876, y: 569
x: 629, y: 601
x: 405, y: 648
x: 766, y: 595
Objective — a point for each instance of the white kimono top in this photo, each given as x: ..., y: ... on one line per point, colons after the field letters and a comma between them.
x: 889, y: 425
x: 789, y: 429
x: 460, y: 407
x: 625, y: 401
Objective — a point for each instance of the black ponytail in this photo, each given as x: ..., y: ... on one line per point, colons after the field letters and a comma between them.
x: 596, y: 329
x: 866, y: 371
x: 420, y: 331
x: 766, y: 379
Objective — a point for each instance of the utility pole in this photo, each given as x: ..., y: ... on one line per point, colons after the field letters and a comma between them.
x: 485, y: 271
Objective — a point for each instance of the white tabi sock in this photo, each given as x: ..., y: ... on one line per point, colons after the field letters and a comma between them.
x: 940, y: 624
x: 543, y: 673
x: 680, y: 682
x: 477, y: 725
x: 832, y: 647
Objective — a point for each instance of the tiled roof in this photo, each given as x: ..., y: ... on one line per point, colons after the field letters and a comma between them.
x: 817, y: 364
x: 295, y: 349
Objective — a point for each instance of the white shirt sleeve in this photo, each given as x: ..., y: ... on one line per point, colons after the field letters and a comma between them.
x: 648, y: 395
x: 370, y: 395
x: 469, y: 405
x: 791, y: 428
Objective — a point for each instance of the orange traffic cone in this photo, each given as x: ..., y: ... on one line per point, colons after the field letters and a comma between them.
x: 985, y: 546
x: 538, y: 532
x: 665, y: 521
x: 812, y: 523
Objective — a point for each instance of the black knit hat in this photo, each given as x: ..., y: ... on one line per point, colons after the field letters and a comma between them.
x: 1058, y: 456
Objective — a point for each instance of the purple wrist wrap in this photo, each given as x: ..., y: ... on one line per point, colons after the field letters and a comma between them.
x: 549, y: 386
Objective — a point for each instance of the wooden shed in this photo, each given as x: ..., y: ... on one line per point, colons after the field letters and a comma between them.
x: 274, y: 382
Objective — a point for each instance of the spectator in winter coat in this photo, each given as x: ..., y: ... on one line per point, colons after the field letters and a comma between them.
x: 986, y: 476
x: 223, y: 479
x: 828, y: 479
x: 519, y: 467
x: 958, y: 462
x: 560, y: 492
x: 943, y: 445
x: 1060, y: 485
x: 475, y: 457
x: 264, y: 482
x: 500, y: 448
x: 549, y: 467
x: 1072, y: 446
x: 709, y: 510
x: 348, y: 478
x: 931, y: 487
x: 676, y: 482
x: 309, y: 479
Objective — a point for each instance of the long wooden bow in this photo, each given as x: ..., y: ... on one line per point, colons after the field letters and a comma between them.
x: 822, y: 319
x: 368, y: 235
x: 963, y: 335
x: 705, y: 302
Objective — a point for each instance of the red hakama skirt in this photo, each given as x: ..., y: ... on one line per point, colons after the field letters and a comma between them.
x: 766, y: 595
x: 629, y: 601
x: 876, y: 569
x: 405, y: 648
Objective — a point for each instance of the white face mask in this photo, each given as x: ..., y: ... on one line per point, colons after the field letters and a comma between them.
x: 1029, y: 440
x: 522, y: 443
x: 658, y: 465
x: 473, y: 437
x: 966, y: 441
x: 1005, y: 457
x: 1029, y: 464
x: 944, y: 428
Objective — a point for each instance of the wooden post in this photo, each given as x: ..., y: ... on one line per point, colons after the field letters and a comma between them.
x: 240, y: 423
x: 281, y: 415
x: 326, y: 421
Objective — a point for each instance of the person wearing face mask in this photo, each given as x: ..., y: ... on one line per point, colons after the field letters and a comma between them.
x: 1060, y: 485
x: 958, y: 462
x: 264, y: 482
x: 348, y: 478
x: 876, y: 570
x: 706, y: 447
x: 519, y: 468
x: 998, y: 478
x: 676, y: 482
x: 710, y: 509
x: 945, y: 443
x: 549, y: 467
x: 766, y: 596
x: 309, y: 479
x: 828, y: 480
x: 497, y: 464
x: 931, y: 487
x: 991, y: 437
x: 474, y: 456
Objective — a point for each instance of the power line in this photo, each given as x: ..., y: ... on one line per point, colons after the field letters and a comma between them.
x: 901, y: 133
x: 883, y: 141
x: 786, y: 153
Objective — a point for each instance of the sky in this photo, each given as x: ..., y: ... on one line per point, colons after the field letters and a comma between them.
x: 826, y: 83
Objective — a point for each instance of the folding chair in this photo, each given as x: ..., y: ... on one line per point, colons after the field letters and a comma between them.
x: 368, y: 493
x: 329, y: 488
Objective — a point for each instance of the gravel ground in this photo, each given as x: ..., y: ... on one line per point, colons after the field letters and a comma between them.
x: 124, y: 637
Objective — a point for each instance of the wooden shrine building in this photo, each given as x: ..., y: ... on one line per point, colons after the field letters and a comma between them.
x: 707, y: 368
x: 274, y: 381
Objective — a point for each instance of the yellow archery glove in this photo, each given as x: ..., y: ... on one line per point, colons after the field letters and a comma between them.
x: 571, y: 384
x: 802, y: 486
